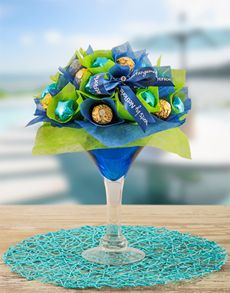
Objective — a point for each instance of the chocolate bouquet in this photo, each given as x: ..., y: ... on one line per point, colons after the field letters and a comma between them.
x: 109, y: 99
x: 111, y: 104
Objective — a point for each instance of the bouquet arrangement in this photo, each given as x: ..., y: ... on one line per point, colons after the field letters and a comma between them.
x: 110, y: 104
x: 112, y: 98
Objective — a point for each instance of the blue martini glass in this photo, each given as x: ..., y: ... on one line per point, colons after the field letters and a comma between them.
x: 113, y: 249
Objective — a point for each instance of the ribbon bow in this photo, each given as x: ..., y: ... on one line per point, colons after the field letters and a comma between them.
x: 121, y: 78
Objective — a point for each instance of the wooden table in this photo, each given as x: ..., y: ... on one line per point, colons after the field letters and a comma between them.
x: 19, y: 222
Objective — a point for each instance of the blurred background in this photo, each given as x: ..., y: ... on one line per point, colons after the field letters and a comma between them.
x: 38, y: 36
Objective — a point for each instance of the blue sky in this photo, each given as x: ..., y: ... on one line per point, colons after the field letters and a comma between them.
x: 75, y: 15
x: 40, y: 35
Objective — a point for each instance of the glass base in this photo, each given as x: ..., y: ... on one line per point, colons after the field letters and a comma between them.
x: 110, y: 257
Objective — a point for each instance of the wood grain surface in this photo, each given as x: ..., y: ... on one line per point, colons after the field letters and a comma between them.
x: 19, y: 222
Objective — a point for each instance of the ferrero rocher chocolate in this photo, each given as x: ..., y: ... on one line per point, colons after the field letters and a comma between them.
x: 46, y: 100
x: 102, y: 114
x: 165, y: 109
x: 126, y: 61
x: 79, y: 74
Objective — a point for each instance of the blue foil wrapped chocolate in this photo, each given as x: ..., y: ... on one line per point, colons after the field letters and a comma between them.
x: 148, y: 97
x: 64, y: 109
x: 178, y: 105
x: 100, y: 61
x: 50, y: 89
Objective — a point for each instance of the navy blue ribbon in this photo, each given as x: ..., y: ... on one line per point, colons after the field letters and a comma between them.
x: 133, y: 105
x: 120, y: 77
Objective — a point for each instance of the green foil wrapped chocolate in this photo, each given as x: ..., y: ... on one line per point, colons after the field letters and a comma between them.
x: 64, y: 110
x: 100, y: 61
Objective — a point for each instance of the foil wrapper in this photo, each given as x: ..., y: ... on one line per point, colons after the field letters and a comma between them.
x: 46, y: 101
x: 178, y: 105
x: 126, y: 61
x: 64, y: 110
x: 148, y: 97
x: 100, y: 61
x: 165, y: 109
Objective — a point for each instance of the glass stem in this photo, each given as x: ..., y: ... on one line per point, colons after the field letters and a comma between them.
x: 113, y: 240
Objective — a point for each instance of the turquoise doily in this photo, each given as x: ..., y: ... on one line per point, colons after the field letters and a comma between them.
x: 170, y: 256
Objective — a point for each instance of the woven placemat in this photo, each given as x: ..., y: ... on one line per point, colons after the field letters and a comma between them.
x: 170, y: 256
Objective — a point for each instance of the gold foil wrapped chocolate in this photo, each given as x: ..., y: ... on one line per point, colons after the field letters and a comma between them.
x: 126, y: 61
x: 46, y: 100
x: 79, y: 74
x: 165, y: 109
x: 102, y: 114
